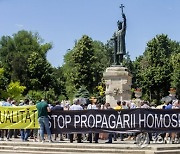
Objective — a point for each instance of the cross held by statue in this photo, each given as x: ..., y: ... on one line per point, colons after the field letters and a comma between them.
x: 122, y: 6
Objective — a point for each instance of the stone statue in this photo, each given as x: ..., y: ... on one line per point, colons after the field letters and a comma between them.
x: 119, y: 40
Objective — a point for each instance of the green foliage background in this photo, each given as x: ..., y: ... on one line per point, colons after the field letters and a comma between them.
x: 26, y: 72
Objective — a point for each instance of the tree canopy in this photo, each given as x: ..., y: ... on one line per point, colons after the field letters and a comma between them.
x: 23, y: 59
x: 154, y: 70
x: 84, y: 65
x: 25, y: 70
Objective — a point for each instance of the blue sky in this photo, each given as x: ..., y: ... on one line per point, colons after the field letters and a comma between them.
x: 64, y: 21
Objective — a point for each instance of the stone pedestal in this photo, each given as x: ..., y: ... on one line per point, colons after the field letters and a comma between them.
x: 118, y: 84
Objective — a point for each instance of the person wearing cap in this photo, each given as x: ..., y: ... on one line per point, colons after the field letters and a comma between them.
x: 93, y: 106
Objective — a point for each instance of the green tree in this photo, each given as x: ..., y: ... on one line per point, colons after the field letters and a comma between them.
x: 78, y: 65
x: 15, y: 90
x: 83, y: 58
x: 3, y: 84
x: 101, y: 92
x: 175, y: 78
x: 85, y: 64
x: 59, y: 82
x: 50, y: 96
x: 40, y: 72
x: 68, y: 70
x: 102, y: 60
x: 3, y: 79
x: 82, y: 92
x: 19, y: 68
x: 154, y: 69
x: 35, y: 96
x: 109, y: 47
x: 128, y: 63
x: 15, y: 52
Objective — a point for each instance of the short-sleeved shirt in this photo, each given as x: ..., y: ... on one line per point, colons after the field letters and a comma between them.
x: 76, y: 107
x: 168, y: 106
x: 118, y: 107
x: 56, y: 108
x: 42, y: 109
x: 93, y: 107
x: 6, y: 104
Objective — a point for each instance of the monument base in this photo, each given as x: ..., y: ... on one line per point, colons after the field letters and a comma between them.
x: 118, y: 84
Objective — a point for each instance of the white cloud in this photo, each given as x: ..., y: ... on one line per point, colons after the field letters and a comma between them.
x: 19, y: 25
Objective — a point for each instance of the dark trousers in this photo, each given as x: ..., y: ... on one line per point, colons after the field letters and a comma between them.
x: 96, y: 137
x: 2, y: 132
x: 6, y: 133
x: 15, y: 133
x: 110, y: 137
x: 79, y: 136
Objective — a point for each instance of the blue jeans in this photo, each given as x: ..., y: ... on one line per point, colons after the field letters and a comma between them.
x: 44, y: 124
x: 24, y: 134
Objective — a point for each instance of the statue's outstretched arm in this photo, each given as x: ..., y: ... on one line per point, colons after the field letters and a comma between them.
x: 124, y: 22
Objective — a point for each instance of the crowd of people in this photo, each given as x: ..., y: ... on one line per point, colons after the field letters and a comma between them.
x: 43, y: 108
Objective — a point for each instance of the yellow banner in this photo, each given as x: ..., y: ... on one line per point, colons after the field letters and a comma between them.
x: 18, y: 117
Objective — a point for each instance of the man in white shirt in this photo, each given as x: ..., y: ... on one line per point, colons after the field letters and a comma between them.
x: 76, y: 106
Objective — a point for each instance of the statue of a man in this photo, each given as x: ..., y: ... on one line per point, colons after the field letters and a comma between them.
x: 119, y: 41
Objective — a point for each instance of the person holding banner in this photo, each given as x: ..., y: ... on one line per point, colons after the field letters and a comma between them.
x: 76, y: 106
x: 175, y: 105
x: 8, y: 132
x: 43, y: 119
x: 117, y: 108
x: 93, y: 106
x: 169, y: 107
x: 25, y: 132
x: 57, y: 107
x: 110, y: 135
